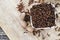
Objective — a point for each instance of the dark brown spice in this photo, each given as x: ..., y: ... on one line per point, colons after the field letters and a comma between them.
x: 36, y: 32
x: 20, y: 7
x: 27, y: 18
x: 43, y: 15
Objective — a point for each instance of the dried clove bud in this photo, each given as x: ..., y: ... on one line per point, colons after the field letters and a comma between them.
x: 27, y: 18
x: 20, y: 7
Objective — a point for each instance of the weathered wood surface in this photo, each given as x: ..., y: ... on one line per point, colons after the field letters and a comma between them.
x: 11, y: 21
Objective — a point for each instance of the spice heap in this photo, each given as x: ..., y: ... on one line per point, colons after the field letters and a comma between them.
x: 43, y: 15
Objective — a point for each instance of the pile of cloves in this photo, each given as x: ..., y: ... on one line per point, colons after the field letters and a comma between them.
x: 43, y: 15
